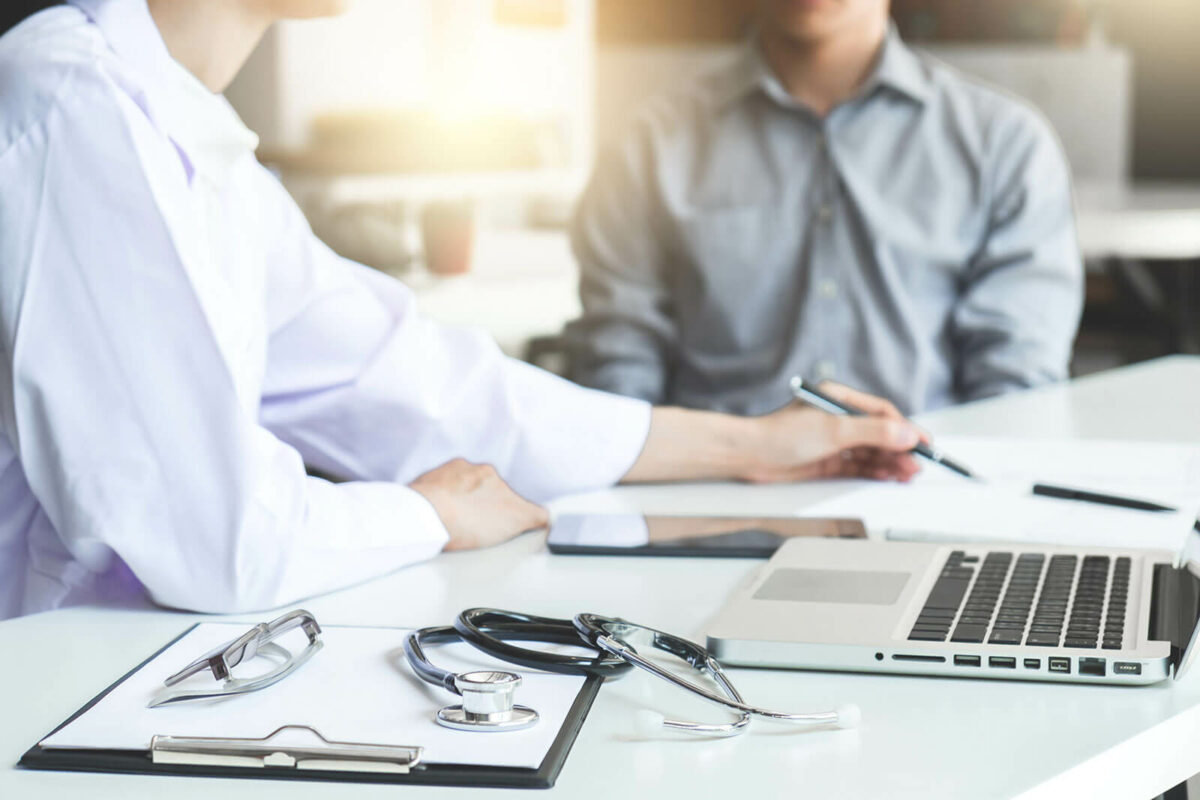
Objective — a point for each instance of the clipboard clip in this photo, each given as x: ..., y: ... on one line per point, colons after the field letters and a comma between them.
x: 319, y: 753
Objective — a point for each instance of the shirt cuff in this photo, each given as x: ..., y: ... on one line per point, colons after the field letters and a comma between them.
x: 573, y: 439
x: 395, y: 517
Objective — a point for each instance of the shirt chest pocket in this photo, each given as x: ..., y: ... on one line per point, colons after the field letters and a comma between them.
x: 736, y: 259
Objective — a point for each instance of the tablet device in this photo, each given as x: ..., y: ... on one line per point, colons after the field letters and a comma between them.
x: 719, y: 537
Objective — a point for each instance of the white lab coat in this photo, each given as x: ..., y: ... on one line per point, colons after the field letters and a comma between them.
x: 176, y: 345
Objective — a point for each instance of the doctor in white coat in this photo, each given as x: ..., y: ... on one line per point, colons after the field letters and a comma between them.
x: 176, y: 346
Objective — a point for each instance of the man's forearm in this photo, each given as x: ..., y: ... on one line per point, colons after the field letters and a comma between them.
x: 695, y: 445
x: 793, y: 443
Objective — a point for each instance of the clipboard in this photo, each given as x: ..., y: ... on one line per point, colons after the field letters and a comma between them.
x: 318, y: 758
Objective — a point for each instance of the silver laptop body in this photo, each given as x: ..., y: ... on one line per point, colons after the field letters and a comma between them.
x: 1015, y: 611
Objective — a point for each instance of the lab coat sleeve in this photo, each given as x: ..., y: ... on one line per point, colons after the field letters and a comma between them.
x: 1015, y: 322
x: 365, y: 387
x: 626, y: 339
x: 122, y: 410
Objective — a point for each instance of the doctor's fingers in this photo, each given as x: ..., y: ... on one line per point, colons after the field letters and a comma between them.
x: 871, y: 404
x: 877, y: 465
x: 883, y: 433
x: 882, y: 465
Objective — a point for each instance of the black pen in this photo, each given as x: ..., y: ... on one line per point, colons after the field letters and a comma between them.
x: 818, y: 399
x: 1065, y: 493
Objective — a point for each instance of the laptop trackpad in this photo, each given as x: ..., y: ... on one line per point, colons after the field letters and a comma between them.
x: 832, y: 586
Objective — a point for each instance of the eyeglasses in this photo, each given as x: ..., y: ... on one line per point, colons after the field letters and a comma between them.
x: 258, y: 641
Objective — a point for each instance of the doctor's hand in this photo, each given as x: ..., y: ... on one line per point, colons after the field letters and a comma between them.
x: 795, y: 443
x: 475, y: 504
x: 801, y: 443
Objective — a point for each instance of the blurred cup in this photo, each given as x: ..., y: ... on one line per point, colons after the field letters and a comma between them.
x: 448, y: 236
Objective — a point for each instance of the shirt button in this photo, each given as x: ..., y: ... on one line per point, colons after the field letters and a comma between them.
x: 828, y: 289
x: 825, y: 370
x: 825, y: 213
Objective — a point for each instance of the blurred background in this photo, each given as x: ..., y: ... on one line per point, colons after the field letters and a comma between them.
x: 445, y: 141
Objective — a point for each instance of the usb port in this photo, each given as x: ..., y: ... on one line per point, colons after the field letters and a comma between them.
x: 1127, y: 668
x: 1060, y: 665
x: 1007, y: 662
x: 1032, y: 663
x: 1092, y: 666
x: 966, y: 661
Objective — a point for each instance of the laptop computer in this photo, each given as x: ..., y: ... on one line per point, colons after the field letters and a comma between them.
x: 1015, y: 611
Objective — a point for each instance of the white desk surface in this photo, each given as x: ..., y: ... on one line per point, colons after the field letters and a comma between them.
x: 1154, y: 220
x: 920, y: 738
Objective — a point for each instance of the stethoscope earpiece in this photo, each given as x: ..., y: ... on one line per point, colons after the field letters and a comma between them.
x: 848, y: 716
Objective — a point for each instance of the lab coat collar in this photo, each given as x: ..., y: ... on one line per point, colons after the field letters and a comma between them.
x: 204, y: 127
x: 897, y: 68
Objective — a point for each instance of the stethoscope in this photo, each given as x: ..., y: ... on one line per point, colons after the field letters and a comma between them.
x: 488, y: 696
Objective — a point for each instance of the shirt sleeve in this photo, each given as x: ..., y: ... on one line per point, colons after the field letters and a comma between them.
x: 121, y: 408
x: 364, y: 387
x: 1015, y: 322
x: 625, y: 339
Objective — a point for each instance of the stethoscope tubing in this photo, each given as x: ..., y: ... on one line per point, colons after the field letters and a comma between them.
x: 421, y: 664
x: 489, y: 630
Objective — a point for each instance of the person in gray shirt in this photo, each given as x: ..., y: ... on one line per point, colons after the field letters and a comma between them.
x: 832, y: 205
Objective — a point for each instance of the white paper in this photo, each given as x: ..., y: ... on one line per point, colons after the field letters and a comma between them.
x: 358, y: 688
x: 942, y: 505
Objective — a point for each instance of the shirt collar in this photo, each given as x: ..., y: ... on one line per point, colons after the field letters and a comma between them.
x: 897, y: 68
x: 202, y: 124
x: 900, y: 69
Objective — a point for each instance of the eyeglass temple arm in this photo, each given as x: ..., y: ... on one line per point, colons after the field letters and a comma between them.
x: 216, y: 659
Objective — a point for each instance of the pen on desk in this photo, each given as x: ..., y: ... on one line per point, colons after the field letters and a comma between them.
x: 1066, y: 493
x: 818, y: 399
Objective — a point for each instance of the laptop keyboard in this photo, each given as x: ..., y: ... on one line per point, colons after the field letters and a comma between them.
x: 1073, y: 601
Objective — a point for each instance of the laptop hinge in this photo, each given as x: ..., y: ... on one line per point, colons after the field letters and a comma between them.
x: 1164, y: 609
x: 1174, y: 608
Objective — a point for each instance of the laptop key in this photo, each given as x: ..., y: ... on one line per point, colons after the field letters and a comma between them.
x: 1077, y: 641
x: 1042, y: 639
x: 969, y: 633
x: 1005, y: 637
x: 927, y: 636
x: 937, y: 612
x: 947, y: 593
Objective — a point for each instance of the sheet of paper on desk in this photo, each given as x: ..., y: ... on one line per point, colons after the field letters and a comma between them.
x: 358, y: 688
x: 941, y: 505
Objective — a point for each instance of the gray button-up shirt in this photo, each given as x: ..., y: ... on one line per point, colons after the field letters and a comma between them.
x: 917, y: 243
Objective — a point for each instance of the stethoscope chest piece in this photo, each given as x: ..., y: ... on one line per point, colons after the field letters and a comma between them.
x: 487, y: 703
